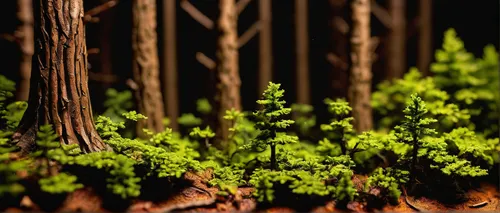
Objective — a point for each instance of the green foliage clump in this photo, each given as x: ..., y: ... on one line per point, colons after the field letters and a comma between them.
x: 345, y: 191
x: 60, y: 183
x: 203, y: 106
x: 434, y: 158
x: 117, y: 103
x: 10, y: 182
x: 305, y: 120
x: 204, y: 134
x: 189, y: 120
x: 472, y: 83
x: 267, y: 182
x: 340, y: 128
x: 390, y: 99
x: 388, y: 181
x: 463, y: 92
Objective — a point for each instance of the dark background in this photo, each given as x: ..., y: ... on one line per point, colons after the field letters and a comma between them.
x: 476, y: 22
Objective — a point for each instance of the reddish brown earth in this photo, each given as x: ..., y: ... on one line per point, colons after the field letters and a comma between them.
x: 200, y: 198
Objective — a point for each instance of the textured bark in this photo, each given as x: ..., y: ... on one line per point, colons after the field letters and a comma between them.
x: 265, y: 45
x: 425, y: 37
x: 397, y: 40
x: 360, y: 72
x: 227, y: 74
x: 146, y: 66
x: 59, y: 92
x: 302, y: 50
x: 340, y: 48
x: 170, y: 63
x: 24, y: 33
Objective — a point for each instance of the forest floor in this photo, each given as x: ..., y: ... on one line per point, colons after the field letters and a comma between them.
x: 200, y: 198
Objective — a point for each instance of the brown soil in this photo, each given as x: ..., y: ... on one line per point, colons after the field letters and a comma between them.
x: 200, y: 198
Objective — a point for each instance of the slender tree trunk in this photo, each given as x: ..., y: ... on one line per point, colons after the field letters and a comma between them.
x: 302, y: 50
x: 361, y: 74
x: 170, y: 63
x: 425, y: 37
x: 59, y: 92
x: 227, y: 77
x: 105, y: 47
x: 340, y: 51
x: 146, y: 66
x: 265, y: 45
x: 273, y: 157
x: 397, y: 39
x: 24, y: 33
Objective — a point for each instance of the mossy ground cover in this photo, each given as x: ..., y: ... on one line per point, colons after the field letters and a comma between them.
x: 435, y: 147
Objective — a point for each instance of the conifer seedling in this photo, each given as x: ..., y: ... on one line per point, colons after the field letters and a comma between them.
x: 270, y: 122
x: 414, y: 128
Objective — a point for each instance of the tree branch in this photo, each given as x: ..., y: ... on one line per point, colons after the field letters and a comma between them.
x: 196, y: 14
x: 382, y: 14
x: 249, y: 34
x: 374, y: 42
x: 88, y: 17
x: 341, y: 25
x: 241, y: 5
x: 336, y: 61
x: 205, y: 60
x: 102, y: 77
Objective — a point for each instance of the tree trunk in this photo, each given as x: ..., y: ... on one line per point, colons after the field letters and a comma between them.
x: 339, y: 47
x: 105, y: 38
x: 397, y: 40
x: 227, y: 77
x: 302, y: 50
x: 170, y: 63
x: 425, y: 37
x: 146, y: 66
x: 361, y: 75
x: 59, y: 92
x: 24, y: 33
x: 265, y: 45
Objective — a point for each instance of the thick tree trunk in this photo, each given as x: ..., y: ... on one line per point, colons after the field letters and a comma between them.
x: 59, y: 92
x: 146, y: 66
x: 425, y: 37
x: 265, y: 45
x: 302, y: 50
x: 227, y: 77
x: 170, y: 63
x: 24, y: 33
x: 397, y: 39
x: 340, y: 48
x: 361, y: 74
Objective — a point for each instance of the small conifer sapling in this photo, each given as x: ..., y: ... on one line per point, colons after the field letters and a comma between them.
x: 270, y: 122
x: 414, y: 127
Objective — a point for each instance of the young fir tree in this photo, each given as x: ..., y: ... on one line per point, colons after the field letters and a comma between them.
x: 414, y: 128
x: 340, y: 128
x: 270, y: 122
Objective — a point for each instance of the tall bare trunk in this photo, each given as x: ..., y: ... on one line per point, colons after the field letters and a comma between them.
x: 361, y: 74
x: 425, y: 37
x: 105, y: 47
x: 302, y: 50
x: 265, y: 45
x: 227, y: 77
x: 397, y: 39
x: 145, y: 65
x: 59, y: 92
x: 170, y: 63
x: 24, y: 33
x: 340, y: 54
